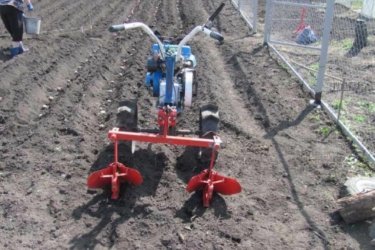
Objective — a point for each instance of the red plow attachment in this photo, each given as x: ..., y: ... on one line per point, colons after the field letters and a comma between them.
x: 117, y: 173
x: 211, y: 181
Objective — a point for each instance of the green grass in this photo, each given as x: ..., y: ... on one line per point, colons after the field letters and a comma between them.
x: 314, y: 66
x: 336, y: 104
x: 325, y: 131
x: 360, y: 118
x: 343, y: 45
x: 357, y: 4
x: 346, y: 43
x: 368, y: 106
x: 315, y: 117
x: 313, y: 74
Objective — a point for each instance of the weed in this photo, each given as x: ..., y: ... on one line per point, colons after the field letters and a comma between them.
x: 343, y: 45
x: 314, y: 66
x: 336, y: 104
x: 360, y: 118
x: 368, y: 106
x: 314, y: 117
x: 346, y: 43
x: 325, y: 131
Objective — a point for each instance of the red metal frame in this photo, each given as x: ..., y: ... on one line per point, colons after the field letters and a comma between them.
x: 116, y: 173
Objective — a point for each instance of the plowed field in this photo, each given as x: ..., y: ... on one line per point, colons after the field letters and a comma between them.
x: 52, y: 133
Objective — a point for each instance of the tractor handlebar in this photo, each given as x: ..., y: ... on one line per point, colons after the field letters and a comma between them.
x: 192, y: 33
x: 217, y: 11
x: 116, y: 28
x: 126, y: 26
x: 217, y: 36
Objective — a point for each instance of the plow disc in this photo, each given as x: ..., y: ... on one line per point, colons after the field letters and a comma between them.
x: 115, y: 174
x: 210, y: 182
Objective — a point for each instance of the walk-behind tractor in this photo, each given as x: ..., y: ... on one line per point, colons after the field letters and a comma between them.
x: 171, y: 77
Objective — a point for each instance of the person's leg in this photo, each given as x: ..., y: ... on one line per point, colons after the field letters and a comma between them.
x: 15, y: 19
x: 5, y: 17
x: 16, y: 24
x: 19, y: 31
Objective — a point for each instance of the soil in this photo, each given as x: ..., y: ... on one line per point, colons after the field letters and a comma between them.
x: 53, y: 134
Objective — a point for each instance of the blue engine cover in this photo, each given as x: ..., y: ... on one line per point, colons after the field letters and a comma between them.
x: 156, y: 78
x: 153, y: 80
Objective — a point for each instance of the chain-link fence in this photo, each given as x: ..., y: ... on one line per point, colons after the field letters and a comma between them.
x: 249, y: 11
x: 330, y: 47
x: 294, y: 29
x: 349, y: 83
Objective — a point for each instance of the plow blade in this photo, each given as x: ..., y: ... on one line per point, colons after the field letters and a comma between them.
x: 197, y: 182
x: 222, y: 184
x: 114, y: 174
x: 228, y: 186
x: 213, y: 182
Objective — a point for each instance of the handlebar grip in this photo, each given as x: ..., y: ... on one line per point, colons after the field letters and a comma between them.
x: 217, y: 36
x: 116, y: 28
x: 217, y: 11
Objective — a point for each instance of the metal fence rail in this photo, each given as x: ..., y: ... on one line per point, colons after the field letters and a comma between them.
x: 249, y: 11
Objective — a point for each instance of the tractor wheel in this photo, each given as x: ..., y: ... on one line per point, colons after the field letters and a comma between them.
x: 127, y: 115
x: 208, y: 126
x: 188, y: 79
x: 195, y: 86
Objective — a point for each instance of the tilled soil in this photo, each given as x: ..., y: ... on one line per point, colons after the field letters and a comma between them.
x: 290, y: 173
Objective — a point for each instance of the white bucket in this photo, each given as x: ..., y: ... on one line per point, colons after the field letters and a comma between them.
x: 32, y: 25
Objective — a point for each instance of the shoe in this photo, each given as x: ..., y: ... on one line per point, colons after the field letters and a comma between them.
x: 23, y: 49
x: 14, y: 52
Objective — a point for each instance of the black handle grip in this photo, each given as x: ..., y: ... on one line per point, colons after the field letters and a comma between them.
x: 217, y: 36
x: 217, y: 11
x: 116, y: 28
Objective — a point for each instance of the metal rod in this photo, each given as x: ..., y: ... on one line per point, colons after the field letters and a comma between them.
x: 267, y: 26
x: 156, y: 138
x: 188, y: 37
x: 328, y: 19
x: 369, y: 156
x: 235, y: 4
x: 319, y: 6
x: 294, y: 45
x: 255, y: 15
x: 327, y: 75
x: 116, y: 151
x: 293, y: 69
x: 247, y: 20
x: 149, y: 32
x: 341, y: 98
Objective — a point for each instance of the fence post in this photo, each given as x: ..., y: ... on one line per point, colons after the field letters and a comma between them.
x: 328, y: 19
x: 267, y: 26
x: 255, y: 15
